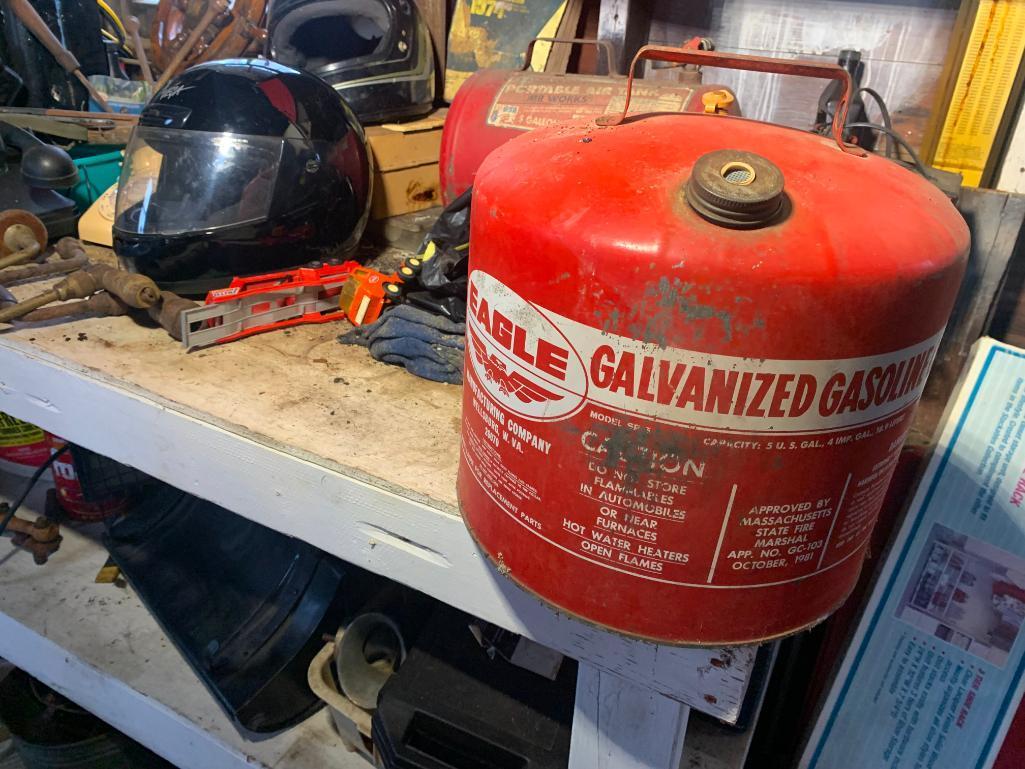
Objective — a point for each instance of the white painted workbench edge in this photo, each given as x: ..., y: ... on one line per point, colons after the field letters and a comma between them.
x: 384, y: 532
x: 147, y: 721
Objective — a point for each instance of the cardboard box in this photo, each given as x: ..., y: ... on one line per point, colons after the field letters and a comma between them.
x: 934, y: 673
x: 406, y: 165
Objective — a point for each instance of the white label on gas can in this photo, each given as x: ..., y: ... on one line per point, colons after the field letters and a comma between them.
x: 676, y: 465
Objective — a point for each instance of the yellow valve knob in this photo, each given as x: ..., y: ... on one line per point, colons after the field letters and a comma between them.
x: 717, y: 101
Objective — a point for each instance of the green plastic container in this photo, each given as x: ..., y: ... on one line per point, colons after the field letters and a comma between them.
x: 99, y: 166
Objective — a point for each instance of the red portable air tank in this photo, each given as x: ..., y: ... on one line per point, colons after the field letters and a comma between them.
x: 496, y: 105
x: 694, y: 346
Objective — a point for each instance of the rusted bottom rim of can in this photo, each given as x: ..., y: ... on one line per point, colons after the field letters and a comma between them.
x: 640, y: 636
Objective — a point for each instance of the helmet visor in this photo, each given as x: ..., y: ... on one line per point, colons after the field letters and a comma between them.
x: 176, y: 181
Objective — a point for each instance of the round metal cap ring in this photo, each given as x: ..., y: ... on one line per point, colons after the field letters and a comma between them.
x: 736, y: 188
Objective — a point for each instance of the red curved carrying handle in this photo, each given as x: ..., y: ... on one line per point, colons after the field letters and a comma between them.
x: 754, y: 64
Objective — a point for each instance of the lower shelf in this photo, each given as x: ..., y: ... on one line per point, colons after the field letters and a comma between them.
x: 99, y: 646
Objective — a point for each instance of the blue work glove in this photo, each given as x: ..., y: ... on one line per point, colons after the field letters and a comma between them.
x: 426, y: 344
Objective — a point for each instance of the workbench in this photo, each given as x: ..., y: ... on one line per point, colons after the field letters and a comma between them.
x: 316, y: 440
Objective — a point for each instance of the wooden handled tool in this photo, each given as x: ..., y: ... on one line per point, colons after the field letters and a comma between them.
x: 132, y: 24
x: 22, y: 237
x: 100, y: 304
x: 166, y: 313
x: 135, y: 290
x: 32, y: 21
x: 14, y: 275
x: 25, y: 239
x: 215, y: 9
x: 24, y: 246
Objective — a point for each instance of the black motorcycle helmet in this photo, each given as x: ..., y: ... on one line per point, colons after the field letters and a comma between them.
x: 240, y: 167
x: 375, y: 53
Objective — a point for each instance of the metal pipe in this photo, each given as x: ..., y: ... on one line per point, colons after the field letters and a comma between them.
x: 14, y: 275
x: 70, y: 248
x: 78, y: 285
x: 101, y: 304
x: 26, y: 306
x: 20, y: 256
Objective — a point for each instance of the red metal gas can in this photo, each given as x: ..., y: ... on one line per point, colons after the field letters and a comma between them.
x: 496, y: 105
x: 694, y: 346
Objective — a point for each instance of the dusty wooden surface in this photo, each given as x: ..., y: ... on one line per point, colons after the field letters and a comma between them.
x: 297, y: 389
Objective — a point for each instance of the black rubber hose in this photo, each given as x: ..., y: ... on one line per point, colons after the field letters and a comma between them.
x: 884, y: 114
x: 919, y: 166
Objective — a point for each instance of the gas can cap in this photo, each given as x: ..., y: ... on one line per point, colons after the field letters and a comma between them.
x: 738, y: 189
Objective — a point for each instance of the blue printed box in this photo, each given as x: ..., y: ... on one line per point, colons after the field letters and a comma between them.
x: 933, y: 675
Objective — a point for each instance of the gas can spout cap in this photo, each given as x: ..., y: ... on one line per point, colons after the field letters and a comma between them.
x: 737, y: 189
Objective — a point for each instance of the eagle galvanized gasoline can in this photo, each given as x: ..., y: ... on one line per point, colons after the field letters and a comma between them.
x: 694, y: 347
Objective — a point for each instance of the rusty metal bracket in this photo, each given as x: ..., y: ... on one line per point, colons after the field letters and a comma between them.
x: 602, y: 45
x: 40, y: 537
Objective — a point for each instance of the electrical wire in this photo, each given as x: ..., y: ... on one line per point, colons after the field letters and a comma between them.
x: 119, y: 34
x: 120, y: 43
x: 109, y: 12
x: 915, y: 160
x: 111, y: 31
x: 884, y: 113
x: 31, y: 485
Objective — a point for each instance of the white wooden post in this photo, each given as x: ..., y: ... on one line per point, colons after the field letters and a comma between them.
x: 620, y: 725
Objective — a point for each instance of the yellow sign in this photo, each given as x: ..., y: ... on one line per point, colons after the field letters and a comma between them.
x: 494, y: 34
x: 983, y: 87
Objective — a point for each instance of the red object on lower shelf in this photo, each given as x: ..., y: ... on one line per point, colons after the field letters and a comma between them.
x: 23, y: 446
x: 69, y: 491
